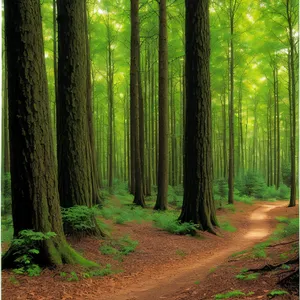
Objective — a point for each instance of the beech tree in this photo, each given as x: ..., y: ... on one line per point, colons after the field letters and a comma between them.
x: 198, y: 206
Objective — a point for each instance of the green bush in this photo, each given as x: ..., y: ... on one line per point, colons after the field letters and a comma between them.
x: 80, y: 220
x: 286, y: 174
x: 284, y: 192
x: 169, y: 222
x: 291, y: 228
x: 252, y: 184
x: 26, y: 248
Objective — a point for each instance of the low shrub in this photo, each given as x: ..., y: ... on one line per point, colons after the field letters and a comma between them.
x: 169, y: 222
x: 80, y: 221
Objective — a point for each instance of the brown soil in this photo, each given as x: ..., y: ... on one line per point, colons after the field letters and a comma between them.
x: 166, y: 266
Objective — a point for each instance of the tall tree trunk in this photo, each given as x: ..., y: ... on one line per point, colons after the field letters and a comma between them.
x: 198, y: 205
x: 163, y: 156
x: 35, y: 198
x: 292, y: 79
x: 134, y: 99
x: 75, y: 163
x: 231, y: 109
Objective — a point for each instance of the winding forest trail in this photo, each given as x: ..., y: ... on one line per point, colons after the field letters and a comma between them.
x: 163, y: 266
x: 171, y: 281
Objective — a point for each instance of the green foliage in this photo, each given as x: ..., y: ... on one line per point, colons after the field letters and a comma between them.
x: 225, y: 225
x: 14, y: 280
x: 232, y: 294
x: 238, y: 253
x: 26, y: 248
x: 175, y: 196
x: 6, y: 194
x: 291, y: 228
x: 169, y: 222
x: 244, y: 276
x: 6, y: 229
x: 79, y: 220
x: 125, y: 214
x: 230, y: 207
x: 119, y: 248
x: 277, y: 293
x: 180, y: 252
x: 286, y: 174
x: 259, y: 249
x: 101, y: 272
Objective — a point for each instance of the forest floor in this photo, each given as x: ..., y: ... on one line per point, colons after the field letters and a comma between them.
x: 176, y: 267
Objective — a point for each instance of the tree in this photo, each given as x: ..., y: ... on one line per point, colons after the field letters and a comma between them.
x: 136, y: 158
x: 198, y: 205
x: 77, y: 185
x: 163, y: 157
x: 35, y: 198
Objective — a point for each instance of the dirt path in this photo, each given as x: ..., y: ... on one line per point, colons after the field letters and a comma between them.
x: 167, y: 284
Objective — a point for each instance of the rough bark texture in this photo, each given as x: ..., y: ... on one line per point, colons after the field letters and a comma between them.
x: 163, y: 156
x: 134, y: 107
x: 35, y: 198
x: 73, y: 139
x: 198, y: 205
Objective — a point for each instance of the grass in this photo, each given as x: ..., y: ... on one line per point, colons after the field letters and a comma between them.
x: 238, y: 253
x: 243, y: 276
x: 230, y: 207
x: 7, y: 229
x: 225, y: 225
x: 277, y: 293
x: 119, y: 248
x: 168, y: 221
x: 259, y: 249
x: 232, y: 294
x: 181, y: 253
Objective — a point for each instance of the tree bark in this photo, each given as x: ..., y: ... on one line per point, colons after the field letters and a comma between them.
x: 35, y: 197
x: 198, y: 205
x: 163, y: 156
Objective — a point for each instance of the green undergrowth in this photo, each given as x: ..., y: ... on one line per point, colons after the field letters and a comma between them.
x: 119, y: 248
x: 7, y: 229
x: 232, y: 294
x: 125, y: 214
x: 243, y: 276
x: 81, y: 221
x: 225, y: 225
x: 168, y: 221
x: 27, y: 248
x: 94, y: 272
x: 275, y: 293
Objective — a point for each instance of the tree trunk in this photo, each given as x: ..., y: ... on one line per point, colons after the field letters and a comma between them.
x: 75, y: 165
x: 198, y: 205
x: 35, y: 198
x: 163, y: 156
x: 134, y: 99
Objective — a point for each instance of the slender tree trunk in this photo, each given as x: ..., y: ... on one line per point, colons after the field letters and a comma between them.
x: 135, y: 99
x: 163, y: 157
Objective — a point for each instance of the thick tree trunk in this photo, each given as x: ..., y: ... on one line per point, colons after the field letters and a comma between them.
x: 163, y: 157
x: 198, y: 205
x: 35, y: 198
x: 74, y: 114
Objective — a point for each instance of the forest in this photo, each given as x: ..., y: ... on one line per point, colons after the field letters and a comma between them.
x: 149, y: 149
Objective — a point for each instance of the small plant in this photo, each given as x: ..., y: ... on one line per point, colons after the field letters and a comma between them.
x: 230, y: 207
x: 285, y: 267
x: 247, y: 276
x: 168, y: 222
x: 259, y: 250
x: 274, y: 293
x: 80, y: 220
x: 227, y: 226
x: 14, y: 280
x: 180, y: 252
x: 230, y: 294
x: 101, y: 272
x: 119, y: 248
x: 212, y: 270
x: 73, y: 276
x: 197, y: 282
x: 26, y: 249
x: 238, y: 253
